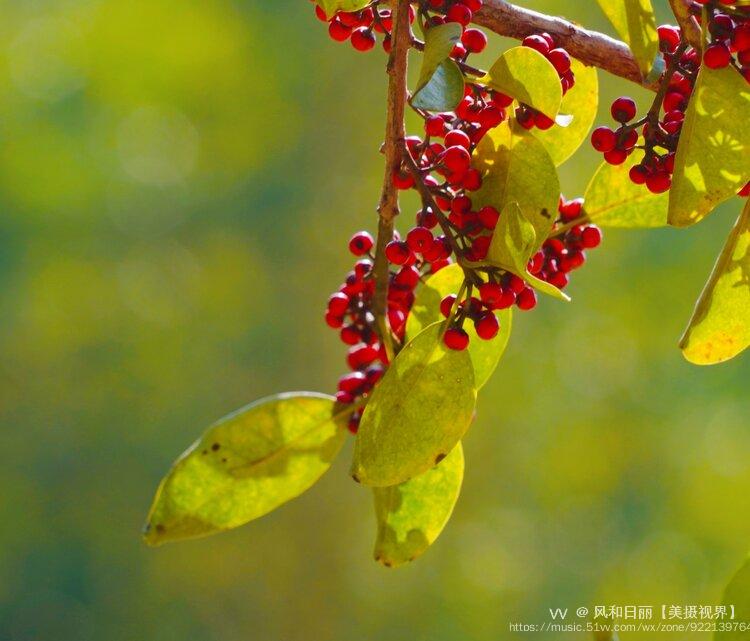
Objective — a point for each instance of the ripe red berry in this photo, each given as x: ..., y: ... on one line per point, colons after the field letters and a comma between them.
x: 717, y: 56
x: 526, y: 299
x: 639, y: 174
x: 591, y: 236
x: 571, y: 209
x: 338, y: 303
x: 669, y: 38
x: 741, y: 37
x: 456, y: 158
x: 339, y: 31
x: 472, y: 180
x: 623, y: 109
x: 603, y: 139
x: 403, y: 180
x: 446, y: 305
x: 560, y: 60
x: 363, y: 39
x: 457, y: 137
x: 456, y: 338
x: 350, y: 335
x: 487, y: 326
x: 659, y: 182
x: 361, y: 355
x: 361, y: 243
x: 419, y: 239
x: 542, y: 122
x: 407, y: 276
x: 474, y: 40
x: 745, y: 191
x: 459, y: 13
x: 616, y: 156
x: 434, y: 126
x: 351, y: 382
x: 488, y: 216
x: 537, y: 42
x: 397, y: 252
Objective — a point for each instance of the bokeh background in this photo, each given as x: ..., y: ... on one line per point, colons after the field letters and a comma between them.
x: 178, y: 180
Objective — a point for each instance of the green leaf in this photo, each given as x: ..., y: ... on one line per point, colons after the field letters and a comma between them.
x: 418, y: 412
x: 412, y: 515
x: 441, y: 83
x: 712, y: 156
x: 348, y: 6
x: 720, y: 326
x: 526, y: 75
x: 246, y: 465
x: 613, y: 200
x: 512, y: 246
x: 516, y: 167
x: 485, y: 355
x: 737, y: 594
x: 635, y: 23
x: 581, y: 103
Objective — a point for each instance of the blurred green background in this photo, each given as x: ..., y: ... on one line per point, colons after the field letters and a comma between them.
x: 178, y: 181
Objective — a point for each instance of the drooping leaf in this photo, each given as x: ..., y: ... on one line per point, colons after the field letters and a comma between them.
x: 332, y: 6
x: 581, y: 103
x: 246, y: 465
x: 712, y: 156
x: 613, y: 200
x: 720, y: 326
x: 485, y: 355
x: 513, y: 243
x: 444, y: 90
x: 441, y: 84
x: 412, y: 515
x: 635, y: 23
x: 737, y: 595
x: 418, y: 412
x: 516, y: 167
x: 526, y: 75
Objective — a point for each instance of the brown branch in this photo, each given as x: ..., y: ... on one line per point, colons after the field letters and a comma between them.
x: 394, y: 140
x: 688, y: 24
x: 590, y: 47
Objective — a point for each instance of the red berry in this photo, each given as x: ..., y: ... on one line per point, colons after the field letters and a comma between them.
x: 338, y: 304
x: 456, y: 158
x: 361, y: 355
x: 339, y: 31
x: 459, y: 13
x: 434, y: 126
x: 457, y: 137
x: 407, y: 276
x: 717, y: 56
x: 446, y: 305
x: 361, y: 243
x: 397, y: 252
x: 659, y: 182
x: 333, y: 321
x: 560, y: 60
x: 745, y: 191
x: 487, y: 326
x: 616, y: 156
x: 623, y: 109
x: 472, y: 180
x: 537, y: 42
x: 456, y: 338
x: 741, y: 37
x: 526, y: 299
x: 350, y: 335
x: 488, y: 216
x: 638, y: 174
x: 403, y: 180
x: 542, y: 122
x: 591, y: 236
x: 571, y: 209
x: 669, y: 38
x: 351, y: 382
x: 474, y: 40
x: 419, y: 239
x: 603, y: 139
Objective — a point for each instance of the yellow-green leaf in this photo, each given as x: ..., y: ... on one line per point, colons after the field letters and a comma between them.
x: 441, y: 84
x: 526, y: 75
x: 613, y: 200
x: 581, y: 103
x: 246, y: 465
x: 485, y: 355
x: 332, y: 6
x: 720, y: 326
x: 737, y: 596
x: 418, y: 412
x: 713, y: 156
x: 635, y: 23
x: 513, y: 243
x: 412, y: 515
x: 516, y: 167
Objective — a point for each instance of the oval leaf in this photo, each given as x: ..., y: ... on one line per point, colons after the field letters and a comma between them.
x: 635, y: 23
x: 581, y: 102
x: 330, y: 7
x: 712, y: 156
x: 412, y: 515
x: 720, y: 326
x: 485, y: 355
x: 737, y: 595
x: 439, y: 41
x: 246, y: 465
x: 444, y: 89
x: 418, y: 412
x: 516, y: 168
x: 613, y: 200
x: 526, y: 75
x: 512, y: 245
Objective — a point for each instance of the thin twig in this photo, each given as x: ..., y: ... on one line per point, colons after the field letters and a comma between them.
x: 691, y: 31
x: 394, y: 140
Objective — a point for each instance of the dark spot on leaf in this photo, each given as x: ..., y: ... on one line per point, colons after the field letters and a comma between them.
x: 159, y: 528
x: 439, y: 458
x: 224, y: 460
x: 215, y: 447
x: 387, y: 564
x: 545, y: 213
x: 204, y: 452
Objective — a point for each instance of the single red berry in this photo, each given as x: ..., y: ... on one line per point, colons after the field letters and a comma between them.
x: 338, y: 304
x: 419, y: 239
x: 361, y: 355
x: 351, y: 382
x: 407, y: 276
x: 623, y: 109
x: 457, y: 137
x: 345, y: 398
x: 339, y: 31
x: 717, y: 56
x: 333, y: 321
x: 446, y: 305
x: 741, y: 37
x: 616, y: 156
x: 456, y: 338
x: 488, y: 216
x: 501, y: 100
x: 603, y: 139
x: 526, y: 299
x: 542, y: 122
x: 361, y: 243
x: 571, y: 209
x: 745, y: 191
x: 456, y: 158
x: 474, y: 40
x: 459, y: 13
x: 537, y: 42
x: 638, y: 174
x: 435, y: 126
x: 659, y: 182
x: 472, y: 180
x: 487, y: 326
x: 350, y: 335
x: 397, y: 252
x: 474, y: 5
x: 591, y: 237
x: 403, y: 180
x: 669, y: 38
x: 560, y: 60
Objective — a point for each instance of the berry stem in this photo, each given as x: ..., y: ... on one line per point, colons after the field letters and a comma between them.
x: 653, y: 113
x: 394, y: 142
x: 688, y: 24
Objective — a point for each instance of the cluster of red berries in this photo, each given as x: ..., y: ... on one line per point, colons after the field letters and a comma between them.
x: 660, y: 128
x: 560, y: 59
x: 560, y: 254
x: 360, y: 27
x: 729, y: 31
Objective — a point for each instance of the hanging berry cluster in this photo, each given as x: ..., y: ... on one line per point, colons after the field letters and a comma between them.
x: 657, y: 134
